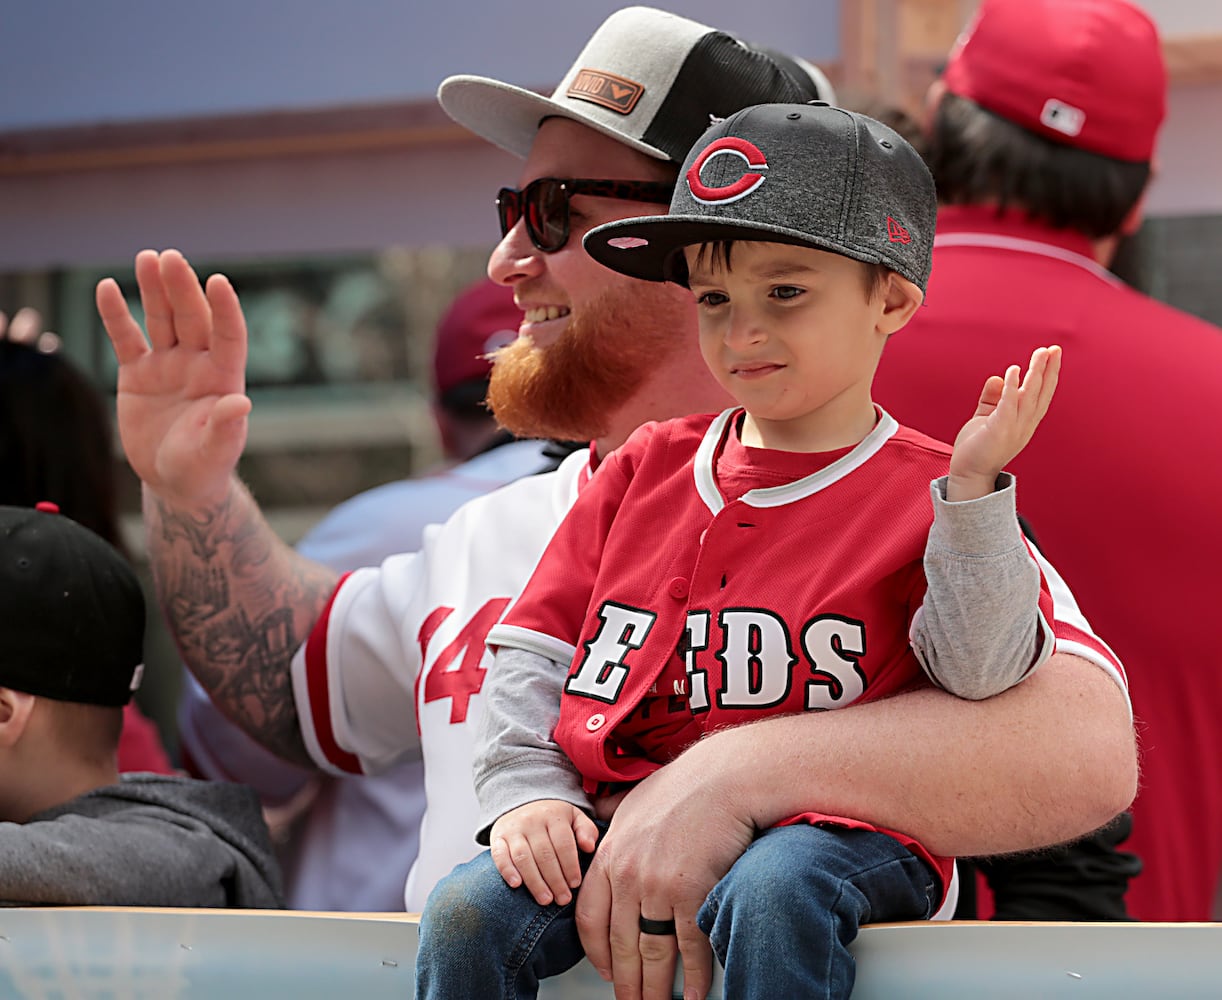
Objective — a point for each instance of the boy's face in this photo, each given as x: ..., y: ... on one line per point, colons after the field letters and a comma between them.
x: 795, y: 337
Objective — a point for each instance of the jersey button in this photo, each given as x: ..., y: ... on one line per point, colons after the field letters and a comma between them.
x: 595, y: 722
x: 678, y: 588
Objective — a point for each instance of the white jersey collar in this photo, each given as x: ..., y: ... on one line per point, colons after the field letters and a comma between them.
x: 704, y: 464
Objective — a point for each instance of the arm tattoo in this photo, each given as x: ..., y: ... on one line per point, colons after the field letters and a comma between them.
x: 239, y: 603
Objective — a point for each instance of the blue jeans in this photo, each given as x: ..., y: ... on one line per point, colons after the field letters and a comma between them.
x: 780, y: 922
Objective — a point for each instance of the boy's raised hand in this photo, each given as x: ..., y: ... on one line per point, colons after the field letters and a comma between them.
x: 536, y: 845
x: 1005, y: 419
x: 181, y: 402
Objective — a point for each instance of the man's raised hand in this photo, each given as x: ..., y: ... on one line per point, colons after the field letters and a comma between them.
x: 182, y: 407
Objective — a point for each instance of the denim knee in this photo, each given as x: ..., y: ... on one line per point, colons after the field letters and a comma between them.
x: 781, y: 920
x: 790, y: 870
x: 467, y: 902
x: 480, y: 938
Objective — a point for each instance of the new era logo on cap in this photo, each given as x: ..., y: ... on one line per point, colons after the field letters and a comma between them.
x: 897, y: 233
x: 606, y: 89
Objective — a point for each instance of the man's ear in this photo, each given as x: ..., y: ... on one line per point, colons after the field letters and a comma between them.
x: 901, y: 299
x: 16, y: 707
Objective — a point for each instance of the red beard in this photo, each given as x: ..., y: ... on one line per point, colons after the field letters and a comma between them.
x: 571, y: 389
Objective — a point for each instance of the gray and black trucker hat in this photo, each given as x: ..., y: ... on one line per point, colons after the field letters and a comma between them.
x: 650, y: 79
x: 804, y: 174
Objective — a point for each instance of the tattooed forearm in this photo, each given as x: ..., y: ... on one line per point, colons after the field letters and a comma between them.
x: 239, y: 602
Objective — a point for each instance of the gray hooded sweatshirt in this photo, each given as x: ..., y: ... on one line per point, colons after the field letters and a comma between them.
x: 151, y: 840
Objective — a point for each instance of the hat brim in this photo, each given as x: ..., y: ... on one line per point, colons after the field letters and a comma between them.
x: 665, y: 235
x: 509, y: 116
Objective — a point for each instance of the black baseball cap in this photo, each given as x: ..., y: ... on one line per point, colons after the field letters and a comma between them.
x: 648, y: 78
x: 71, y: 611
x: 803, y: 174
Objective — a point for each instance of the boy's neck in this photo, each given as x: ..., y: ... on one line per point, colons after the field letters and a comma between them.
x: 824, y: 430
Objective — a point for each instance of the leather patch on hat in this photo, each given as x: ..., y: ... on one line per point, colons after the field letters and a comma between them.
x: 605, y: 89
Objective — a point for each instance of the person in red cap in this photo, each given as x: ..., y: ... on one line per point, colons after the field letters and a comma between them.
x: 1042, y: 137
x: 347, y: 843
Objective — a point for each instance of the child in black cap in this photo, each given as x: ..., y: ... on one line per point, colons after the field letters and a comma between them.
x: 72, y: 831
x: 780, y: 557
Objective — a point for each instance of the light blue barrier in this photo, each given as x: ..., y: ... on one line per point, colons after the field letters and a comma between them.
x: 152, y: 954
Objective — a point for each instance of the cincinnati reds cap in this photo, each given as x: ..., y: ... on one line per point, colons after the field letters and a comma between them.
x: 1085, y: 73
x: 647, y: 78
x: 71, y: 611
x: 481, y: 319
x: 804, y: 174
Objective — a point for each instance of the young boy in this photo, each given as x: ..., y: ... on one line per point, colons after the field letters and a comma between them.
x: 72, y: 831
x: 765, y: 560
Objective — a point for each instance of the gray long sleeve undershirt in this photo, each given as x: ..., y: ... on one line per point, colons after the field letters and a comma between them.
x: 516, y: 759
x: 977, y: 633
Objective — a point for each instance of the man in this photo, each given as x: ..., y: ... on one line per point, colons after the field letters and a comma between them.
x: 597, y: 355
x: 348, y: 843
x: 1041, y: 142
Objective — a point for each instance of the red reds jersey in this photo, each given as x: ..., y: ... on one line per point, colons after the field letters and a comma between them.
x: 693, y: 609
x: 1120, y: 485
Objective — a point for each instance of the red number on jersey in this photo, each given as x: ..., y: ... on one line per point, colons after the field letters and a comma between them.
x: 457, y: 672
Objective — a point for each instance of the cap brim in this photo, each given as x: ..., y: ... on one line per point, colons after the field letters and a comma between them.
x: 614, y: 244
x: 509, y: 116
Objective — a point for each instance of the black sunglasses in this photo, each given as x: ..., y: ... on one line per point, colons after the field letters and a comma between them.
x: 544, y: 204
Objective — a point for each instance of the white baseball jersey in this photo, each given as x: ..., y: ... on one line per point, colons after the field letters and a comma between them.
x: 397, y: 660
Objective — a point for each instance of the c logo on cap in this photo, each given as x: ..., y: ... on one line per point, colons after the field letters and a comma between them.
x: 733, y: 146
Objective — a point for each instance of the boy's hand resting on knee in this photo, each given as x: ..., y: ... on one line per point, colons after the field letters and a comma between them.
x: 536, y: 845
x: 1006, y: 417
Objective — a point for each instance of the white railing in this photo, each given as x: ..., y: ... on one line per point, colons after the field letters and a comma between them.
x: 170, y: 954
